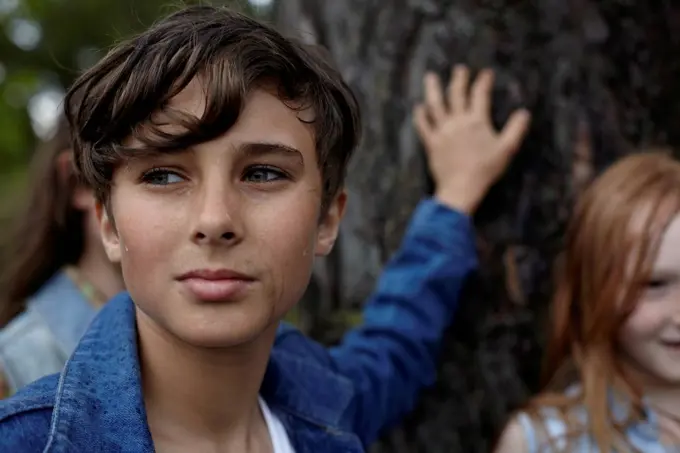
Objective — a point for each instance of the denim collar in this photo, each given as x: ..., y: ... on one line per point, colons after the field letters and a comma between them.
x: 100, y: 390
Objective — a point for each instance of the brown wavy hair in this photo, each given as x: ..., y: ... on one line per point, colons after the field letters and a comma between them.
x: 46, y: 234
x: 611, y: 244
x: 231, y: 54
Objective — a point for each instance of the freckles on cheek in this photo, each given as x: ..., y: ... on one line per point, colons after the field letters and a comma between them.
x: 291, y: 233
x: 146, y: 237
x: 289, y: 237
x: 290, y: 267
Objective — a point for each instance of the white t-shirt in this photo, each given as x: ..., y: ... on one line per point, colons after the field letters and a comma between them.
x: 277, y: 432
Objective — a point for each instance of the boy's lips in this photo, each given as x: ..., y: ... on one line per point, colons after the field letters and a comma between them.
x: 219, y: 285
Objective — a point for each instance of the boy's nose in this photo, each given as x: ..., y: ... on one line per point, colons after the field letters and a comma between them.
x: 203, y: 237
x: 217, y: 217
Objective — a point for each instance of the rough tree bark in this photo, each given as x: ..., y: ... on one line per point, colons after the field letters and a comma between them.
x: 600, y: 78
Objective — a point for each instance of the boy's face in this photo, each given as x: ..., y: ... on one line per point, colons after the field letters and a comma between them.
x: 217, y: 243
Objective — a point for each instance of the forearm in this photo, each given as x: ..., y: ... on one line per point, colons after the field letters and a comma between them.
x: 393, y: 355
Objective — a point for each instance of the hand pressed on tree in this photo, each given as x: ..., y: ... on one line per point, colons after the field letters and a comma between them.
x: 466, y: 155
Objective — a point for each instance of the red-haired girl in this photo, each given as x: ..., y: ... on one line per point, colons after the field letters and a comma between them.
x: 613, y: 361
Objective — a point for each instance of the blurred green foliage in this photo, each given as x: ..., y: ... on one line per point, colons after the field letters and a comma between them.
x: 44, y: 45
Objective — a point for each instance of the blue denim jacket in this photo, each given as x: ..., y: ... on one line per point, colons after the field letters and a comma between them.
x: 329, y: 399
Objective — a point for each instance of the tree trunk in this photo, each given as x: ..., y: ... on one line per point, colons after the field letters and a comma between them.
x: 600, y: 78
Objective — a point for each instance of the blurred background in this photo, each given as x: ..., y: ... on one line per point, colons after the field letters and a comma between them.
x: 600, y: 76
x: 44, y: 44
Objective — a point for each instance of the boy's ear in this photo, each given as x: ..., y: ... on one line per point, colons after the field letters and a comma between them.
x: 107, y: 230
x: 330, y: 225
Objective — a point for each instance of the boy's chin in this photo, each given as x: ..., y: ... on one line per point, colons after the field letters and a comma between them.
x: 230, y: 327
x: 212, y: 326
x: 223, y: 335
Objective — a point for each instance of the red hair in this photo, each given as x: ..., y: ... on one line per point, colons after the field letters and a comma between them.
x: 611, y: 243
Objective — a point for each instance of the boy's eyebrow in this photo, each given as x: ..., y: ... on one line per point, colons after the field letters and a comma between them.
x: 256, y: 149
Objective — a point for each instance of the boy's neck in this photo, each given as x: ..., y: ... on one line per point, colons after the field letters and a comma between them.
x: 198, y: 397
x: 99, y: 272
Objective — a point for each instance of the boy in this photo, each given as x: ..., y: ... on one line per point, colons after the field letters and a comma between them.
x: 217, y: 149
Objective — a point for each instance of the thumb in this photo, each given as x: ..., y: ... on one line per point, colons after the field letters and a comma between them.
x: 515, y: 130
x: 422, y: 124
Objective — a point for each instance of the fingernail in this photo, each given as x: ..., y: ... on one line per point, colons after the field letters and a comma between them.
x: 432, y: 78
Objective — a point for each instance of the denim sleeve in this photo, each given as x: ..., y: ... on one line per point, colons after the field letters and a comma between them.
x: 393, y: 355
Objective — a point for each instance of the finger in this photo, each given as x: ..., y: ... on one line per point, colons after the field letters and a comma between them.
x: 422, y: 123
x: 434, y: 98
x: 514, y: 131
x: 481, y: 93
x: 458, y: 87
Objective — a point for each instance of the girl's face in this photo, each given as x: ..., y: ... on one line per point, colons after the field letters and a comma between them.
x: 650, y: 337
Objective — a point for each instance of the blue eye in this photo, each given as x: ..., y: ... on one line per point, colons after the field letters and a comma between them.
x: 160, y: 177
x: 263, y: 174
